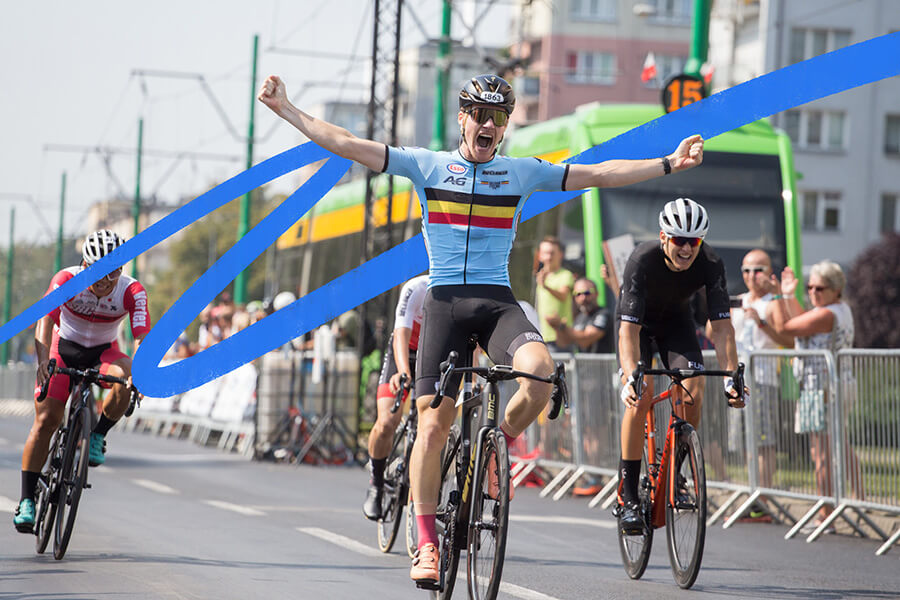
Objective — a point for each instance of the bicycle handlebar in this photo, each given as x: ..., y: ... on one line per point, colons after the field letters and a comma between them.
x: 679, y: 375
x: 559, y: 396
x: 92, y: 376
x: 398, y: 398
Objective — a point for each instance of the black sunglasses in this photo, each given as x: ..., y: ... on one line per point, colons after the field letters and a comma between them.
x: 584, y: 293
x: 481, y: 114
x: 681, y: 241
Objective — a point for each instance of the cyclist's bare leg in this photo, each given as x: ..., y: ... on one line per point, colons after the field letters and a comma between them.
x: 632, y: 434
x: 47, y: 417
x: 425, y: 462
x: 386, y: 423
x: 532, y: 396
x: 692, y: 411
x: 116, y: 402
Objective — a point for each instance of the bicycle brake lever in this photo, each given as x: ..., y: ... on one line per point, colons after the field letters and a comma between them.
x: 560, y: 394
x: 45, y: 387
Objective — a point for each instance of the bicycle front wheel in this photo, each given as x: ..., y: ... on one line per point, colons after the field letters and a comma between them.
x: 72, y: 479
x: 635, y: 549
x: 45, y: 496
x: 489, y: 520
x: 395, y: 492
x: 446, y: 518
x: 686, y: 516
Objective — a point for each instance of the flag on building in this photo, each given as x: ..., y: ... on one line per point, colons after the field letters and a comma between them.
x: 649, y: 70
x: 706, y: 71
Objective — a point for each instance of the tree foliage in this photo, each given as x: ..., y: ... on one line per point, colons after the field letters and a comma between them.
x: 874, y: 294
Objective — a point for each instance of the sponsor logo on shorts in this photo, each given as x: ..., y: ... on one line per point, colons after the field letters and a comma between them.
x: 457, y: 168
x: 695, y: 365
x: 533, y: 336
x: 630, y: 319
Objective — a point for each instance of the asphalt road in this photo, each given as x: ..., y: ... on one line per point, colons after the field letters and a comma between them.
x: 169, y: 519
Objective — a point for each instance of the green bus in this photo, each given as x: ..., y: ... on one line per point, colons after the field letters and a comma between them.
x: 746, y: 182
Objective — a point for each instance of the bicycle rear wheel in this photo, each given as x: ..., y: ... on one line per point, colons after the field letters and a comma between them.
x: 395, y: 492
x: 45, y: 496
x: 72, y: 479
x: 635, y: 549
x: 489, y: 520
x: 686, y: 520
x: 446, y: 517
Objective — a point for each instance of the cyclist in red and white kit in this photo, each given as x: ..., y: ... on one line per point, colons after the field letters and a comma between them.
x: 81, y: 334
x: 400, y: 359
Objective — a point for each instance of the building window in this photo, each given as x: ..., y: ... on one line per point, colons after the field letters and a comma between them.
x: 821, y: 211
x: 807, y: 43
x: 666, y: 66
x: 593, y: 10
x: 671, y: 11
x: 529, y: 86
x: 892, y: 134
x: 598, y: 68
x: 816, y: 129
x: 890, y: 213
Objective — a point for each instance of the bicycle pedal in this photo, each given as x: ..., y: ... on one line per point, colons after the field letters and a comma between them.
x: 429, y: 585
x: 87, y: 486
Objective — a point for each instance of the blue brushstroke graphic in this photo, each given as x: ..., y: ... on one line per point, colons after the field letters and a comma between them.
x: 775, y: 92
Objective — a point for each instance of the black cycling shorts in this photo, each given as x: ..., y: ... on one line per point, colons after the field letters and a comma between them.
x: 676, y: 342
x: 389, y: 366
x: 455, y: 312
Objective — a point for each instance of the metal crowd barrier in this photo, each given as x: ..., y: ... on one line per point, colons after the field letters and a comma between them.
x: 17, y: 381
x: 758, y: 455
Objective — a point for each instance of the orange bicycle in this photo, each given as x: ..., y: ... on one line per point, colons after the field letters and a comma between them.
x: 672, y: 488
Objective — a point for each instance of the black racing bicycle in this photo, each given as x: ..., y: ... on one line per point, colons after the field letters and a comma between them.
x: 396, y: 475
x: 468, y: 514
x: 65, y: 474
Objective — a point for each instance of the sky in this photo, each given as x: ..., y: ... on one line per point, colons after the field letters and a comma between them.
x: 71, y: 85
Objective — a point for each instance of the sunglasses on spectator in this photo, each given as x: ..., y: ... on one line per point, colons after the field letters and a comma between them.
x: 753, y: 269
x: 818, y: 288
x: 583, y: 293
x: 681, y: 241
x: 481, y: 115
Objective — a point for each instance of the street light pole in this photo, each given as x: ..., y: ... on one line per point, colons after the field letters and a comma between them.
x: 57, y: 264
x: 699, y: 38
x: 136, y: 207
x: 240, y: 282
x: 439, y: 134
x: 7, y: 302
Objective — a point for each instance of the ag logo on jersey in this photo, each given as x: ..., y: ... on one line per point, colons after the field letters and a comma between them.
x: 457, y: 168
x: 492, y: 97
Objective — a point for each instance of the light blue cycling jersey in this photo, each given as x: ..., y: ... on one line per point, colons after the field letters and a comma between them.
x: 470, y: 211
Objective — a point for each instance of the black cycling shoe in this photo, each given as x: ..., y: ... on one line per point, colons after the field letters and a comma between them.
x: 631, y: 522
x: 372, y: 505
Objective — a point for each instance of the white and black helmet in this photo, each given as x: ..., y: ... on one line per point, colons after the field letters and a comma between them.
x: 684, y: 218
x: 99, y: 244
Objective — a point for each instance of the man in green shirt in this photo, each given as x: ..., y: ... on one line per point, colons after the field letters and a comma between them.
x: 554, y: 290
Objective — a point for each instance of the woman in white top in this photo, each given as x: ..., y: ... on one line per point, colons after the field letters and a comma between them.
x: 828, y: 325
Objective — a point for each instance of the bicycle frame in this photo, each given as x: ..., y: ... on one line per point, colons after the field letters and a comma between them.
x: 660, y: 471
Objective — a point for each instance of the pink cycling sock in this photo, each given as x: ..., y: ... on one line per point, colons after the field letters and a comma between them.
x: 427, y: 530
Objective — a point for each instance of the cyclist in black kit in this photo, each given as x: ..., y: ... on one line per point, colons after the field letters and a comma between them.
x: 654, y: 314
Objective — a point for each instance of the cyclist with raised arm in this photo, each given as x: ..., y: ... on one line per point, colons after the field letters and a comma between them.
x: 81, y: 334
x: 471, y: 200
x: 399, y: 360
x: 654, y: 314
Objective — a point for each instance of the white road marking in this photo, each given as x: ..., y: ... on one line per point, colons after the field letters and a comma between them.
x: 103, y: 469
x: 155, y: 486
x: 563, y: 521
x: 244, y: 510
x: 8, y: 505
x: 524, y: 593
x: 342, y: 541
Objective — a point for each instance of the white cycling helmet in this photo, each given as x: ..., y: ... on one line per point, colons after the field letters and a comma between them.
x: 99, y: 244
x: 283, y: 299
x: 684, y: 218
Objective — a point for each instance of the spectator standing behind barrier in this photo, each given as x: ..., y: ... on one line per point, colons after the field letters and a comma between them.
x: 751, y: 320
x: 553, y: 298
x: 590, y: 328
x: 827, y: 326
